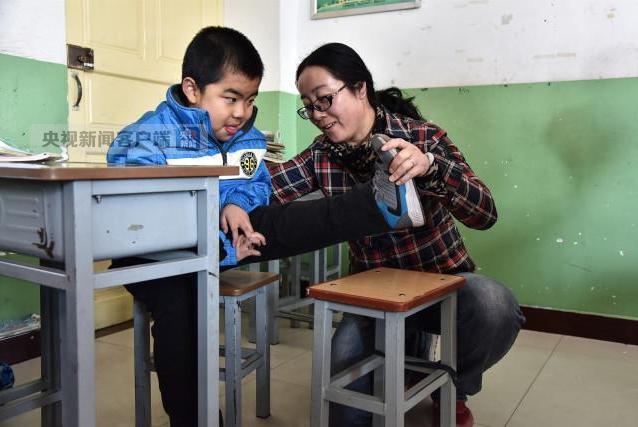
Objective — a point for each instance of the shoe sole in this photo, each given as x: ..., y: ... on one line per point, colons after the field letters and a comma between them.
x: 415, y: 210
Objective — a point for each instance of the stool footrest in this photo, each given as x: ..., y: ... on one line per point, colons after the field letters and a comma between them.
x: 355, y: 399
x: 357, y: 371
x: 424, y: 388
x: 246, y: 352
x: 336, y: 393
x: 251, y: 360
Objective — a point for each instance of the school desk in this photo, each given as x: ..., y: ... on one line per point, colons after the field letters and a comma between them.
x: 70, y: 215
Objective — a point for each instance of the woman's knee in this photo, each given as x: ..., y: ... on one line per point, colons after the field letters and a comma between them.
x: 489, y: 303
x: 352, y: 341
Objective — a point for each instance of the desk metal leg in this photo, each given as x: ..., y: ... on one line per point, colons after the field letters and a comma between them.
x: 78, y: 361
x: 51, y: 415
x: 208, y: 306
x: 142, y: 351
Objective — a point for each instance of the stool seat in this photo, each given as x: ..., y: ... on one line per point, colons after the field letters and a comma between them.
x: 234, y: 283
x: 387, y: 289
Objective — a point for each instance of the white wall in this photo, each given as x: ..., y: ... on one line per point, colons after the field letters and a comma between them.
x: 458, y: 42
x: 33, y: 29
x: 260, y: 22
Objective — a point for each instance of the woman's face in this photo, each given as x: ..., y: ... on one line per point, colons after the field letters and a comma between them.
x: 345, y: 120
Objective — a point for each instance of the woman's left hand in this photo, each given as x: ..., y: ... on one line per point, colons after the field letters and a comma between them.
x: 409, y: 162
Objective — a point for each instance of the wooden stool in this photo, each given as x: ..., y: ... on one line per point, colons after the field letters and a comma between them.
x: 234, y: 286
x: 389, y: 296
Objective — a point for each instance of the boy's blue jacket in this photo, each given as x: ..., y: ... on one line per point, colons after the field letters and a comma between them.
x: 174, y: 134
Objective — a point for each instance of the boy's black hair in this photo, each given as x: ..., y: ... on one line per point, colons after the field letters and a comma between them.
x: 217, y: 50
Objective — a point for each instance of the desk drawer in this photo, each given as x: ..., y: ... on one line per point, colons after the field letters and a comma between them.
x: 123, y: 225
x: 135, y: 224
x: 31, y: 218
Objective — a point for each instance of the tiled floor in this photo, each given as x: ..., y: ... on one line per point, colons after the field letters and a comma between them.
x: 546, y: 380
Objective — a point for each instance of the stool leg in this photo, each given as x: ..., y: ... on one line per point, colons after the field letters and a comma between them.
x: 273, y: 303
x: 141, y: 354
x: 394, y: 368
x: 295, y: 279
x: 448, y: 357
x: 232, y: 332
x: 262, y: 333
x: 250, y: 305
x: 379, y: 373
x: 320, y: 364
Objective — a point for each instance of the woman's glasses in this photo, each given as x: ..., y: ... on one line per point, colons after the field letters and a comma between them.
x: 321, y: 104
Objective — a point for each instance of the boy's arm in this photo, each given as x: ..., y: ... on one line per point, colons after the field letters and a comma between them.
x: 254, y: 192
x: 134, y: 146
x: 242, y: 197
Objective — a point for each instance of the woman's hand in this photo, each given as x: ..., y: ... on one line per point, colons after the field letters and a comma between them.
x: 233, y: 219
x: 409, y: 162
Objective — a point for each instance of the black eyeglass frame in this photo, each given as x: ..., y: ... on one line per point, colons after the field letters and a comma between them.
x: 305, y: 112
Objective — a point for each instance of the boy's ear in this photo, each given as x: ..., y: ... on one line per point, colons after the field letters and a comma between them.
x: 191, y: 91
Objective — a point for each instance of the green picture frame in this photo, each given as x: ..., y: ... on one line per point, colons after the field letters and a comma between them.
x: 322, y: 9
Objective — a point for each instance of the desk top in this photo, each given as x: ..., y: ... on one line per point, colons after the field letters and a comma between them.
x: 387, y: 289
x: 100, y: 171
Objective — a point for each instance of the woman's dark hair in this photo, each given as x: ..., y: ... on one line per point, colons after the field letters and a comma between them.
x: 217, y: 50
x: 345, y: 64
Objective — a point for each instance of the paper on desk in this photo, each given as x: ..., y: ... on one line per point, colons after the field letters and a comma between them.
x: 12, y: 154
x: 42, y: 157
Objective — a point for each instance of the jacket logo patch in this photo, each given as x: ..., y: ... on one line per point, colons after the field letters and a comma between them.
x: 248, y: 163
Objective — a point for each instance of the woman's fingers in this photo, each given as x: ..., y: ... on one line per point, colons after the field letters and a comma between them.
x: 408, y: 163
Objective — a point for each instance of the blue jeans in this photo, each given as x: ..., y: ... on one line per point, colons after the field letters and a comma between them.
x: 488, y: 321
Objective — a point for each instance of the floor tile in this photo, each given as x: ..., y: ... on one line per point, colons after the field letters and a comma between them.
x: 296, y: 371
x: 289, y: 405
x: 507, y: 382
x: 584, y: 383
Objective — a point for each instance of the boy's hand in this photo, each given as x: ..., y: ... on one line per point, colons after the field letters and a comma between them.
x: 233, y: 218
x: 246, y: 245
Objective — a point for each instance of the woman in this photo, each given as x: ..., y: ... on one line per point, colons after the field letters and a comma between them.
x: 339, y: 98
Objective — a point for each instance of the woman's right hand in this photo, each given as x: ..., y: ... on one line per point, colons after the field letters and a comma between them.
x: 409, y: 162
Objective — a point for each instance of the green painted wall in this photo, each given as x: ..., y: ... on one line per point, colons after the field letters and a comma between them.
x: 31, y: 93
x: 275, y: 113
x: 560, y: 161
x: 17, y: 297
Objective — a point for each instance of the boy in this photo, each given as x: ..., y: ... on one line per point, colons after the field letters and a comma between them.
x: 208, y: 120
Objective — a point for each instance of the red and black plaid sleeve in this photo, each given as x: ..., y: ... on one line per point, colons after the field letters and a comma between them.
x: 294, y: 178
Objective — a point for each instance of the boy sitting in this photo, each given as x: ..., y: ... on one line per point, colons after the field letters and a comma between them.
x: 208, y: 120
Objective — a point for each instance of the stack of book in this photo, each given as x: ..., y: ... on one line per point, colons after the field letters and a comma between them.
x: 274, y: 148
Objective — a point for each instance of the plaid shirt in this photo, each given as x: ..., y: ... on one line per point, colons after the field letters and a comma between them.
x: 449, y: 189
